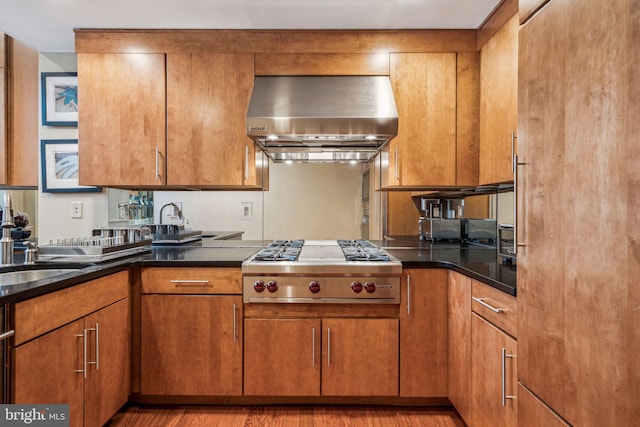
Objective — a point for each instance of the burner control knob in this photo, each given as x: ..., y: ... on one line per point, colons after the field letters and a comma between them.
x: 314, y: 287
x: 272, y: 286
x: 259, y: 286
x: 356, y: 287
x: 370, y: 287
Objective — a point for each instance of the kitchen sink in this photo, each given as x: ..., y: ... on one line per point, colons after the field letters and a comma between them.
x: 23, y: 276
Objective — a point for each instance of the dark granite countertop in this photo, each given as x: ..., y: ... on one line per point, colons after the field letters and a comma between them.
x: 478, y: 262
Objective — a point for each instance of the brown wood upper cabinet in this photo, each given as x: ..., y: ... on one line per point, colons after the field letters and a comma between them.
x: 207, y: 142
x: 424, y: 152
x: 498, y: 104
x: 122, y: 127
x: 322, y: 64
x: 18, y: 113
x: 526, y: 8
x: 174, y: 120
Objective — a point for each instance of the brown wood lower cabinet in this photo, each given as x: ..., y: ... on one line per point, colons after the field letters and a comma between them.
x: 52, y: 369
x: 328, y: 357
x: 494, y: 381
x: 423, y: 333
x: 191, y: 345
x: 45, y: 370
x: 459, y: 315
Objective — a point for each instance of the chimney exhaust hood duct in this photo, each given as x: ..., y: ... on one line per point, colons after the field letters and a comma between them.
x: 322, y: 118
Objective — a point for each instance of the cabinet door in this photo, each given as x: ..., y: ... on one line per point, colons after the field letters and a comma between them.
x: 576, y: 320
x: 460, y: 343
x: 109, y: 373
x: 121, y: 123
x: 46, y: 370
x: 282, y: 357
x: 423, y: 333
x: 489, y: 383
x: 191, y: 345
x: 424, y: 152
x: 208, y: 96
x: 360, y: 357
x: 498, y: 103
x: 533, y: 413
x: 18, y: 114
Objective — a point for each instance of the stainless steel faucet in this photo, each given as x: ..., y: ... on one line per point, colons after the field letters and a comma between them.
x: 175, y: 207
x: 6, y: 243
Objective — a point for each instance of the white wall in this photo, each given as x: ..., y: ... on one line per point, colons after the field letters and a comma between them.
x: 305, y: 201
x: 54, y: 209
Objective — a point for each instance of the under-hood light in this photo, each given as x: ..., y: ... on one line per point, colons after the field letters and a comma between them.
x: 370, y: 137
x: 272, y: 137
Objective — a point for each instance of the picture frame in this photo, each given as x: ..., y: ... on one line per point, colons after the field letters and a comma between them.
x: 60, y: 167
x: 59, y: 99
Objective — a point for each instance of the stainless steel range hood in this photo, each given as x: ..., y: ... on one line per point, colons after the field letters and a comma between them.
x: 322, y: 118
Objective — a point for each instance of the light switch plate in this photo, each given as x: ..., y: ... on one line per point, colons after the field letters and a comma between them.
x: 247, y: 211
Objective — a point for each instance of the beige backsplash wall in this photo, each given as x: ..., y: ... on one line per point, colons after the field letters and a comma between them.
x: 305, y: 201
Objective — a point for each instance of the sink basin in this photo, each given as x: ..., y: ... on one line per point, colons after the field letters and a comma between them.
x: 17, y: 277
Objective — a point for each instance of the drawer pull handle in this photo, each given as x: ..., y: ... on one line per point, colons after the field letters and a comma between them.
x: 7, y: 334
x: 484, y: 304
x: 192, y: 283
x: 504, y: 376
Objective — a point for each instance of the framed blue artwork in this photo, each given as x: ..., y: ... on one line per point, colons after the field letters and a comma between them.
x: 59, y: 99
x: 60, y: 167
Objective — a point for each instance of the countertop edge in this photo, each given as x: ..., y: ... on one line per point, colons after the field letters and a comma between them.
x: 95, y: 271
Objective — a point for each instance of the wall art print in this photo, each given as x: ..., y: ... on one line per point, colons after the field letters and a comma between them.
x: 59, y: 99
x: 60, y: 167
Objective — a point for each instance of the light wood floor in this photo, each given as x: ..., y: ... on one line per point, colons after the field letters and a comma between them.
x: 286, y: 416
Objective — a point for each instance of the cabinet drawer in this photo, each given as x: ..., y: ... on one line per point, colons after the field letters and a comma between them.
x: 162, y: 280
x: 495, y: 306
x: 38, y: 315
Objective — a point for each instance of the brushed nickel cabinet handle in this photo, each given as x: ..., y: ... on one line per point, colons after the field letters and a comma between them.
x: 191, y: 283
x: 504, y: 376
x: 484, y: 304
x: 235, y: 328
x: 157, y: 162
x: 328, y: 347
x: 313, y: 347
x: 246, y: 163
x: 408, y: 294
x: 97, y: 342
x: 7, y: 335
x: 83, y: 371
x: 397, y: 163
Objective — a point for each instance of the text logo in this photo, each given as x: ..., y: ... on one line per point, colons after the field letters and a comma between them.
x: 34, y: 415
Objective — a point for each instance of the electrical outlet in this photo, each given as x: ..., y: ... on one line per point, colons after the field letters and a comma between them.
x: 247, y: 211
x: 76, y: 209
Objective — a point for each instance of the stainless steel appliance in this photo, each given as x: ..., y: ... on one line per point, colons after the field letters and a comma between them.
x: 506, y: 247
x: 321, y: 271
x: 322, y: 118
x: 439, y: 229
x: 481, y: 230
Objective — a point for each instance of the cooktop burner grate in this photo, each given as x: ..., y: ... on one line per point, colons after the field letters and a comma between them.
x: 362, y: 250
x: 281, y: 250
